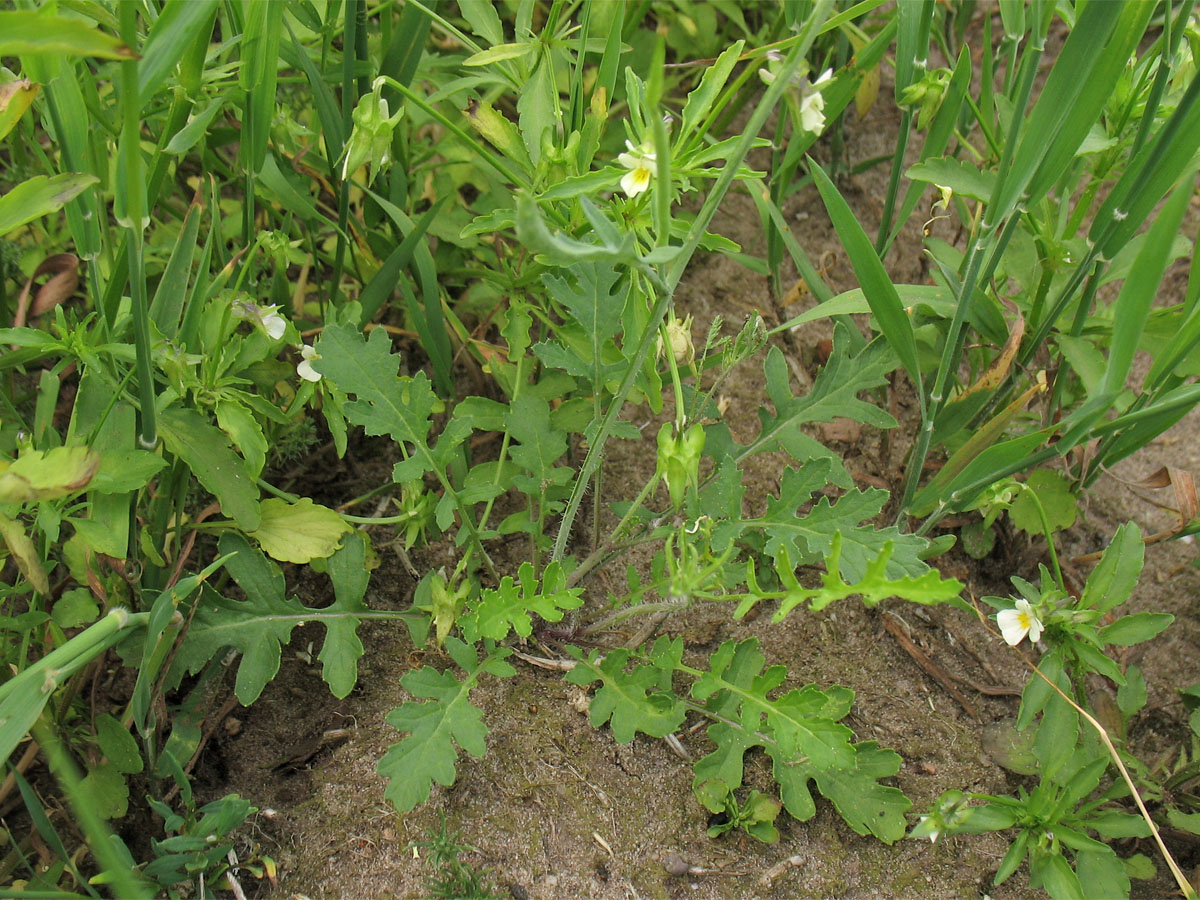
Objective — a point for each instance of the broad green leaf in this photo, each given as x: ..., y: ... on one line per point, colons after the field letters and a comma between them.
x: 39, y: 196
x: 237, y: 421
x: 74, y: 608
x: 45, y: 475
x: 1056, y: 499
x: 1057, y: 733
x: 122, y: 471
x: 105, y: 791
x: 298, y: 532
x: 258, y: 625
x: 801, y: 723
x: 1130, y: 630
x: 484, y: 20
x: 633, y: 701
x: 539, y: 446
x: 118, y: 745
x: 1101, y: 872
x: 867, y: 806
x: 385, y: 401
x: 876, y: 285
x: 28, y: 33
x: 537, y: 106
x: 957, y: 174
x: 1115, y: 576
x: 445, y: 719
x: 1052, y: 872
x: 1140, y: 866
x: 508, y: 608
x: 207, y: 452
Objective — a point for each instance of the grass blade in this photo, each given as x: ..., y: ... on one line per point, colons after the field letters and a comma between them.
x: 878, y: 288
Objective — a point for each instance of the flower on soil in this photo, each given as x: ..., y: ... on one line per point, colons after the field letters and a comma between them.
x: 304, y: 368
x: 1019, y: 621
x: 266, y: 317
x: 641, y: 162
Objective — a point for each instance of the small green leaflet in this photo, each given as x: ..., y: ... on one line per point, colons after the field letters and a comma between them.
x: 258, y: 625
x: 801, y: 722
x: 446, y: 718
x: 804, y: 539
x: 874, y: 588
x: 834, y: 395
x: 867, y: 806
x: 499, y: 611
x: 638, y: 700
x: 801, y: 732
x: 385, y: 401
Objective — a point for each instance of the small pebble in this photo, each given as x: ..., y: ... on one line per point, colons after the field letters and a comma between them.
x: 675, y: 864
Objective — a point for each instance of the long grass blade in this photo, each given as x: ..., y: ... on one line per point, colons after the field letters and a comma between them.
x: 876, y: 285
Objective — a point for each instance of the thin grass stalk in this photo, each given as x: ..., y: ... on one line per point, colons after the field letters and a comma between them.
x: 135, y: 211
x: 349, y: 96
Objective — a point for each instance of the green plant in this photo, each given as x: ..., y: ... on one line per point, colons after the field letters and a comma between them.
x: 452, y: 879
x: 263, y: 221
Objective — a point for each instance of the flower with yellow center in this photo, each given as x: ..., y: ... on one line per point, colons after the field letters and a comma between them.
x: 641, y: 162
x: 1018, y: 622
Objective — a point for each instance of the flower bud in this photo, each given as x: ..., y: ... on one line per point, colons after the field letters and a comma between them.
x: 371, y: 140
x: 679, y: 460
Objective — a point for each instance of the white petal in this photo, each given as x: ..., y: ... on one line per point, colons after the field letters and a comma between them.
x: 304, y: 368
x: 812, y: 116
x: 825, y: 76
x: 635, y: 182
x: 275, y: 325
x: 1012, y: 626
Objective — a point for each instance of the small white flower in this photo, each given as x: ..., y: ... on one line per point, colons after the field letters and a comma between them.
x: 304, y: 368
x: 1017, y: 622
x: 812, y: 104
x: 266, y: 317
x: 641, y: 162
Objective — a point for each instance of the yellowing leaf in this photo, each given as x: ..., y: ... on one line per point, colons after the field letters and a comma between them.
x: 298, y: 532
x: 24, y: 553
x: 39, y: 475
x: 15, y: 98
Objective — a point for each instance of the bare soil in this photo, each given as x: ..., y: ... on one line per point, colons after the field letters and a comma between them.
x: 557, y: 810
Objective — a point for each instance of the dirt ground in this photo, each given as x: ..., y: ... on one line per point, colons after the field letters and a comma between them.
x: 557, y: 810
